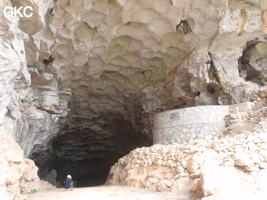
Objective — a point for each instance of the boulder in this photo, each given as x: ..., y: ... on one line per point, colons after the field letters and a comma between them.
x: 242, y: 159
x: 220, y: 179
x: 263, y: 92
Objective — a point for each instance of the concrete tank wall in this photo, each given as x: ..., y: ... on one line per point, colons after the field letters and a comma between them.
x: 200, y: 122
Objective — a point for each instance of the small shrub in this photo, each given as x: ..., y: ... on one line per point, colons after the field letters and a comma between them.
x: 36, y: 101
x: 21, y: 191
x: 34, y: 191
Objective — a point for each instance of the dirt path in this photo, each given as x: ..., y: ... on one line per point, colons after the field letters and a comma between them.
x: 105, y: 193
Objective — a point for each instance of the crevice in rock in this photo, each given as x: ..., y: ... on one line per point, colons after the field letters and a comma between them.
x: 213, y: 74
x: 251, y: 63
x: 213, y: 85
x: 184, y: 26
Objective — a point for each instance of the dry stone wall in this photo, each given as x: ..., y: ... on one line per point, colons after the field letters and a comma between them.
x: 177, y: 126
x: 201, y: 122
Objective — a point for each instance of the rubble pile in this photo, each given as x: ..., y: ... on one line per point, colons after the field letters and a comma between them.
x: 229, y: 167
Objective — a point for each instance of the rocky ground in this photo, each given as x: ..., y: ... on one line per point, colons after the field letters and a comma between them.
x: 105, y: 193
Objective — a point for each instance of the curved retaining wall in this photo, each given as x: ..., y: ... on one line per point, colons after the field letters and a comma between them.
x: 177, y: 126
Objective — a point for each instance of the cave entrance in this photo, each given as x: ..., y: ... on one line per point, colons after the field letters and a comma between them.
x: 86, y: 171
x: 92, y: 180
x: 88, y: 155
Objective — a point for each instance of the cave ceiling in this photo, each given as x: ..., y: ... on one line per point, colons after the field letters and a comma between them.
x: 125, y: 60
x: 116, y: 57
x: 101, y: 69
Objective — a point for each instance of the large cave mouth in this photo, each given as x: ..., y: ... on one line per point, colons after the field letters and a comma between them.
x: 88, y: 154
x: 103, y: 76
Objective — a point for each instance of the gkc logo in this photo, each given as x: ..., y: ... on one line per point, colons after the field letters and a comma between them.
x: 10, y: 11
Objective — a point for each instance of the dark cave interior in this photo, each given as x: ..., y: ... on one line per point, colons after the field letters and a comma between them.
x: 88, y: 155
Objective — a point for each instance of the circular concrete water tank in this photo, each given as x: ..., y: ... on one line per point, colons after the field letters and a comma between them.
x: 180, y: 125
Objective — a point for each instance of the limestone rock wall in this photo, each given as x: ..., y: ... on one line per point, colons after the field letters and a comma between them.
x: 28, y: 115
x: 138, y: 53
x: 18, y: 175
x: 134, y: 59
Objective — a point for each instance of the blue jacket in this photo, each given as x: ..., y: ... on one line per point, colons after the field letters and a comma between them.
x: 68, y: 183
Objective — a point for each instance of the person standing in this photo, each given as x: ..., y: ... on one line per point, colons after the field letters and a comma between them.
x: 68, y: 183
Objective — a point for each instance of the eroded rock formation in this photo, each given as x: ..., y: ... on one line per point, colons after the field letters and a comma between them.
x: 18, y: 174
x: 80, y: 81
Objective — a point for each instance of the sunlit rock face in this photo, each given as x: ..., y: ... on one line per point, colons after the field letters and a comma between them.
x: 91, y: 74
